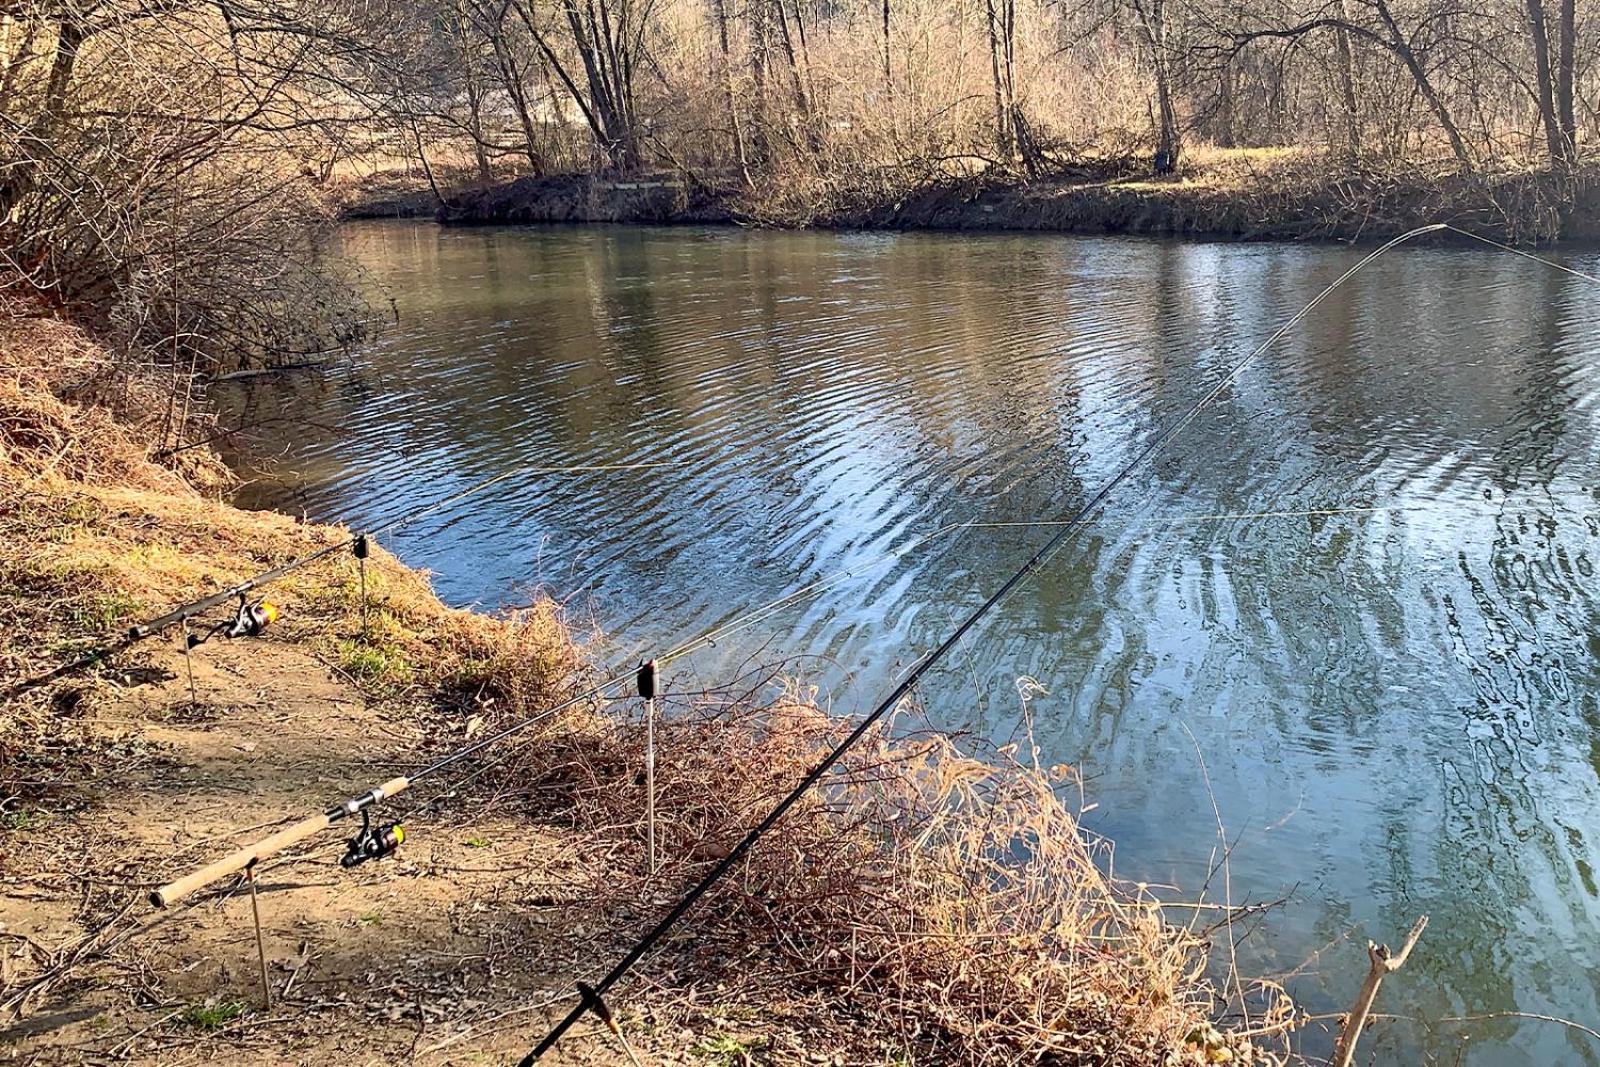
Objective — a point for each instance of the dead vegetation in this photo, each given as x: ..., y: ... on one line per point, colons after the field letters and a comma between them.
x: 96, y: 534
x: 955, y: 902
x: 1240, y: 193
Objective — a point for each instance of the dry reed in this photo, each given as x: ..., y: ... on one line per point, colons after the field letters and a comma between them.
x: 97, y: 533
x: 957, y: 901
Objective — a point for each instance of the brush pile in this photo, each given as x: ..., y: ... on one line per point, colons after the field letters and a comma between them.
x: 955, y: 902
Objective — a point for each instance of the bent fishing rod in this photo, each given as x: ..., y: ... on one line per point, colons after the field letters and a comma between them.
x: 312, y: 825
x: 358, y: 543
x: 590, y: 997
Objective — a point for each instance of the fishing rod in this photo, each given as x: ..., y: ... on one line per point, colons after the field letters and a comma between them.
x: 367, y: 844
x: 359, y: 543
x: 590, y: 998
x: 362, y: 847
x: 199, y: 607
x: 247, y: 856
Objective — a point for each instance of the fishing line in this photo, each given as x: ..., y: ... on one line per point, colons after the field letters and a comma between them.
x: 1590, y: 278
x: 765, y: 611
x: 360, y: 804
x: 772, y: 607
x: 142, y: 630
x: 1035, y: 563
x: 205, y: 604
x: 768, y: 610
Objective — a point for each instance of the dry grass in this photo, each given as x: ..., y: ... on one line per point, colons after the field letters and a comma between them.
x: 1256, y: 193
x: 955, y: 902
x: 96, y: 534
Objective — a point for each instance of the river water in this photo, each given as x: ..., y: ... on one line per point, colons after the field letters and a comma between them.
x: 1354, y: 604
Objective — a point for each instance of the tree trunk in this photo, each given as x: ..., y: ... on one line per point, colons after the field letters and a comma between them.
x: 888, y: 73
x: 19, y: 177
x: 719, y: 9
x: 69, y: 38
x: 802, y: 106
x: 1345, y: 57
x: 760, y: 149
x: 1169, y: 143
x: 1544, y: 82
x: 609, y: 77
x: 1566, y: 63
x: 1402, y: 48
x: 475, y: 127
x: 1002, y: 108
x: 511, y: 77
x: 553, y: 62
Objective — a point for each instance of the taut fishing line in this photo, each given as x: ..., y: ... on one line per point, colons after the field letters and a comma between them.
x: 1067, y: 527
x: 590, y: 997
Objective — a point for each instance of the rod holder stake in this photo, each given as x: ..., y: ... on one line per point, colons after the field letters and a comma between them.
x: 649, y: 682
x: 188, y: 643
x: 261, y: 945
x: 362, y: 549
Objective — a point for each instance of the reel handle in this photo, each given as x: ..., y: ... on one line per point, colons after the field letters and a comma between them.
x: 177, y: 890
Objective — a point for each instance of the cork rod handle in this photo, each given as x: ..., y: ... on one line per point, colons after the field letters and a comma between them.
x: 177, y: 890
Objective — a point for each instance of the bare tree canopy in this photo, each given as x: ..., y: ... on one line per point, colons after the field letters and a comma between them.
x: 167, y: 162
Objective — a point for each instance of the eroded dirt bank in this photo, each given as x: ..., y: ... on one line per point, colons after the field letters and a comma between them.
x: 1239, y: 195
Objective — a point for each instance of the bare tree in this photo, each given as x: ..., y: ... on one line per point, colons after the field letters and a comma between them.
x: 607, y: 39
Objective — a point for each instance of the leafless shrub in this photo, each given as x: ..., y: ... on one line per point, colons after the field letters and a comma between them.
x: 154, y: 182
x: 957, y: 899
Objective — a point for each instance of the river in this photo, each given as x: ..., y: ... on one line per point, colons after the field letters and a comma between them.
x: 1351, y: 614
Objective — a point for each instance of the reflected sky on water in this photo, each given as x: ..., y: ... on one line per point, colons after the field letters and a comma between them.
x: 1395, y: 704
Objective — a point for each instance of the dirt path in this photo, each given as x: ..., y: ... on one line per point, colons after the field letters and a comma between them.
x: 438, y: 955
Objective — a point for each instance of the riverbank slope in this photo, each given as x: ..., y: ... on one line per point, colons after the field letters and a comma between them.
x: 1256, y: 194
x: 893, y: 919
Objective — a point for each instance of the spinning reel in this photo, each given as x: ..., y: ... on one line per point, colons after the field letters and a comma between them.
x: 249, y: 621
x: 373, y: 842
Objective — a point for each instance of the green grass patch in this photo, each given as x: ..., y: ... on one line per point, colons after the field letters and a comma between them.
x: 726, y: 1050
x: 203, y: 1016
x: 376, y: 665
x: 102, y: 611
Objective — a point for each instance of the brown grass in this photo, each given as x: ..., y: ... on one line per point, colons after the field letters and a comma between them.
x: 956, y: 902
x: 96, y: 534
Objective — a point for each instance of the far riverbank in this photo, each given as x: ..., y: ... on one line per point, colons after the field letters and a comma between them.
x: 1230, y: 196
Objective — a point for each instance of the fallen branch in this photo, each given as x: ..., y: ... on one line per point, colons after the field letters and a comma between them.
x: 1383, y: 964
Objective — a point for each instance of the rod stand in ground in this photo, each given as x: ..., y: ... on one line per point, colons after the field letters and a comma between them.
x: 188, y: 662
x: 592, y: 1001
x: 1383, y: 964
x: 261, y: 945
x: 649, y: 681
x: 362, y: 549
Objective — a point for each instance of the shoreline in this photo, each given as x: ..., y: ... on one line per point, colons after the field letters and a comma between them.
x: 534, y: 867
x: 1271, y: 206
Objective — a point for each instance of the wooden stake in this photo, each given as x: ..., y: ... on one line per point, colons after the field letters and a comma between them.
x: 261, y: 945
x: 1383, y: 964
